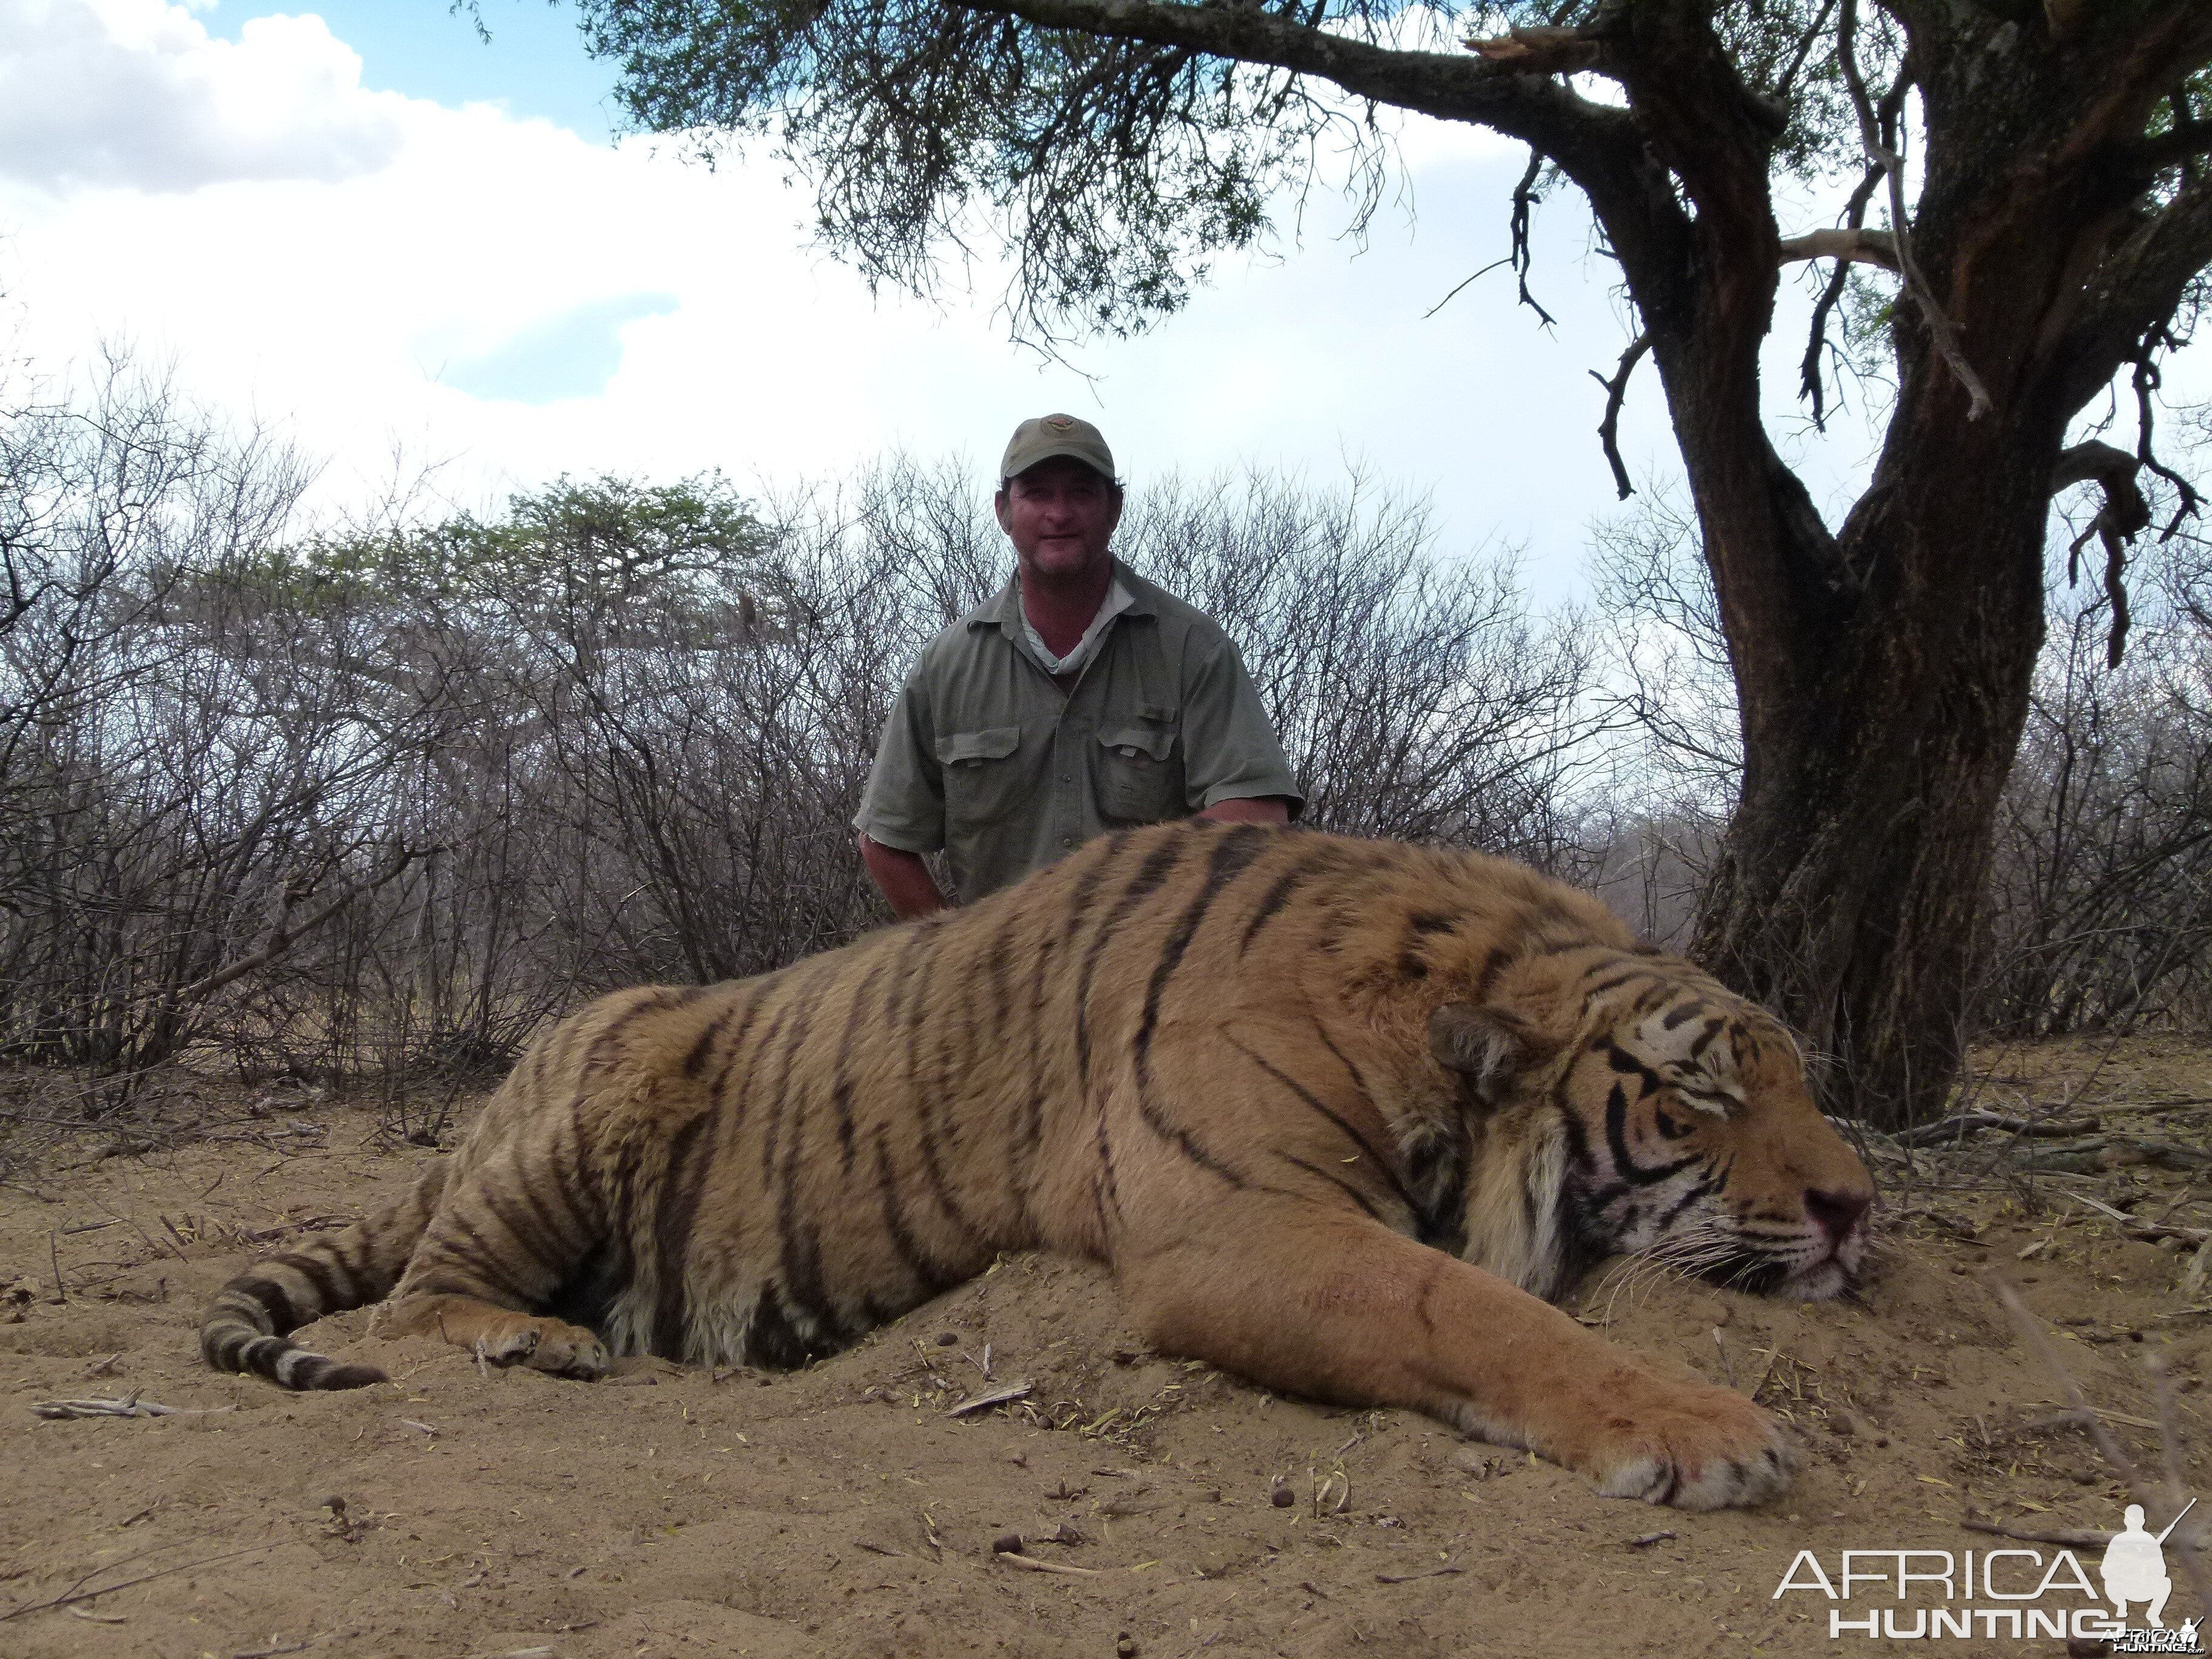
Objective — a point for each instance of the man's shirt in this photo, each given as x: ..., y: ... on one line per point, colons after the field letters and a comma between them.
x: 987, y: 758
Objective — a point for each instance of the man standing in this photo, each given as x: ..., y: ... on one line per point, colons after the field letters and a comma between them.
x: 1081, y: 699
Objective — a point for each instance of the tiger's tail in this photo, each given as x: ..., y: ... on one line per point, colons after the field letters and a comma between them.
x: 245, y: 1328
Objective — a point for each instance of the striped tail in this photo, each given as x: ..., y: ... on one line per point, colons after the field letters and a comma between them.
x: 246, y: 1326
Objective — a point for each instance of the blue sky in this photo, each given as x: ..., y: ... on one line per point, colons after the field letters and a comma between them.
x: 534, y: 63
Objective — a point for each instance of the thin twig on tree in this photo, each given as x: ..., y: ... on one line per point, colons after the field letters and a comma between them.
x: 1460, y: 288
x: 1805, y: 45
x: 283, y: 939
x: 1939, y: 330
x: 1854, y: 218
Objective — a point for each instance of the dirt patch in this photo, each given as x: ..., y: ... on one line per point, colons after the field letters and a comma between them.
x: 842, y: 1511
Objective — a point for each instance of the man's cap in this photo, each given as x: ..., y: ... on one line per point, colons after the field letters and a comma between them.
x: 1047, y: 438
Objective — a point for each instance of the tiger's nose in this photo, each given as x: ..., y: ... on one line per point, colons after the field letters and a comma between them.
x: 1836, y: 1212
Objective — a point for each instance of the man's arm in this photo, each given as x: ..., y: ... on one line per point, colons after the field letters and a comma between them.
x: 904, y: 879
x: 1255, y: 809
x: 904, y: 800
x: 1235, y: 768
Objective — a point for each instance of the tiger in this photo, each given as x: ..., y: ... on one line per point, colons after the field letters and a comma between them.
x: 1341, y: 1117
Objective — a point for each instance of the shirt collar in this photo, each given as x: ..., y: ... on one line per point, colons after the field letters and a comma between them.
x: 1004, y: 612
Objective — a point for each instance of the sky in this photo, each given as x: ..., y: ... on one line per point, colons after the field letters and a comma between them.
x: 404, y: 247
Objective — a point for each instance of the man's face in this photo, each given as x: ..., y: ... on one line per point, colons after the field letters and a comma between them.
x: 1061, y: 517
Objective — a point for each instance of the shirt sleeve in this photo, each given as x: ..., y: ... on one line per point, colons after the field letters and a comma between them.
x: 1230, y: 751
x: 903, y: 805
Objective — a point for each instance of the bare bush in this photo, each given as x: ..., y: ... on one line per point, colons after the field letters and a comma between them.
x: 2097, y: 907
x: 1673, y: 746
x: 380, y: 802
x: 1416, y: 696
x: 172, y: 777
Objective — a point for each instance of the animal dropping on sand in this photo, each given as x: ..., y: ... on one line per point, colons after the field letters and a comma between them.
x: 1340, y: 1115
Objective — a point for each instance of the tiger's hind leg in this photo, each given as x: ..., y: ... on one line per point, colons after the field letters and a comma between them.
x: 506, y: 1238
x: 502, y: 1335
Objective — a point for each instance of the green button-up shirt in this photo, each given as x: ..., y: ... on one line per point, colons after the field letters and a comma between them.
x: 985, y: 756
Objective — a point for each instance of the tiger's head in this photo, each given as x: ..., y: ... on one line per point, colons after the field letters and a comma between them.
x: 1644, y: 1109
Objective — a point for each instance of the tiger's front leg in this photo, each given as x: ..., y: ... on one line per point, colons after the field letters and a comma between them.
x: 1299, y: 1297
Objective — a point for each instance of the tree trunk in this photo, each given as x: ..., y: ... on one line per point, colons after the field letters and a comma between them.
x: 1847, y: 887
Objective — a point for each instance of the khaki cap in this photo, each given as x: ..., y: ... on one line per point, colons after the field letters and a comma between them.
x: 1051, y: 436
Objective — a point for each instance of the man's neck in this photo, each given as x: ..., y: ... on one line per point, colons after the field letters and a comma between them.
x: 1062, y: 609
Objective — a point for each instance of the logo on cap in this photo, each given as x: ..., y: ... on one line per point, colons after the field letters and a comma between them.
x: 1060, y: 422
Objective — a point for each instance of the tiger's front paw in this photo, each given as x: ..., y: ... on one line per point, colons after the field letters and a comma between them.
x: 1692, y: 1446
x: 551, y: 1345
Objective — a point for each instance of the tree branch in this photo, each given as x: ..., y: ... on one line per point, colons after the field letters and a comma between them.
x: 288, y: 934
x: 2138, y: 287
x: 2123, y: 517
x: 1873, y: 247
x: 1524, y: 198
x: 1615, y: 390
x: 1600, y: 147
x: 1941, y: 334
x: 1545, y: 50
x: 2179, y: 143
x: 1553, y: 118
x: 2149, y: 377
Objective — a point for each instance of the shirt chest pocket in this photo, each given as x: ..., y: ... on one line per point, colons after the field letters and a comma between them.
x: 1138, y: 774
x: 982, y: 773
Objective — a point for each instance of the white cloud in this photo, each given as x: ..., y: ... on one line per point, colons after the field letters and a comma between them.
x: 136, y: 93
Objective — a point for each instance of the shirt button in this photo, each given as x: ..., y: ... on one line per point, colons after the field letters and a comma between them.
x: 1064, y: 778
x: 1067, y: 841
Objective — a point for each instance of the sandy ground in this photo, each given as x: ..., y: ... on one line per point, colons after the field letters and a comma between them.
x: 842, y: 1511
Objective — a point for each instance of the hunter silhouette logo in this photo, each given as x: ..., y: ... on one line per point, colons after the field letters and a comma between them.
x: 2007, y: 1593
x: 2134, y: 1567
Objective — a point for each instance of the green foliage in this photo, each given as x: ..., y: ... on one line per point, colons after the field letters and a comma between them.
x: 1112, y: 169
x: 588, y: 545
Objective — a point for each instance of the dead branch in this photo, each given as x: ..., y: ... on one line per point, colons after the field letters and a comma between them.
x: 1608, y: 429
x: 1030, y: 1564
x: 1525, y: 198
x: 1873, y: 247
x: 287, y: 935
x: 130, y: 1405
x: 76, y: 1595
x: 1956, y: 1128
x: 1542, y: 51
x: 2149, y: 377
x: 1878, y: 153
x: 996, y: 1397
x: 2124, y: 516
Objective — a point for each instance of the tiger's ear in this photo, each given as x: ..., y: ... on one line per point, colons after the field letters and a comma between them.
x: 1489, y: 1047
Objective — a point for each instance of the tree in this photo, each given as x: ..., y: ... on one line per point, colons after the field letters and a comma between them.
x: 2057, y: 236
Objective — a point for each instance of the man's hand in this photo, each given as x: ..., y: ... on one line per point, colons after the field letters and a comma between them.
x: 1259, y: 809
x: 904, y: 879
